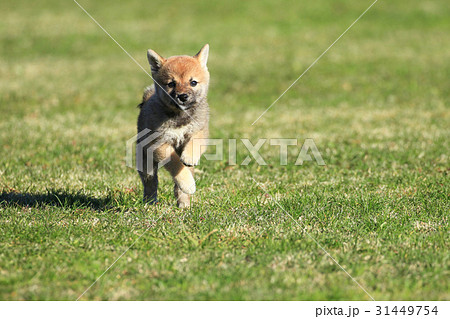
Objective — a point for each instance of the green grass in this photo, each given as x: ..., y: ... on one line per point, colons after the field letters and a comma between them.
x: 376, y: 105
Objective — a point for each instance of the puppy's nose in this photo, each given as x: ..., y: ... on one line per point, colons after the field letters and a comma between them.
x: 182, y: 97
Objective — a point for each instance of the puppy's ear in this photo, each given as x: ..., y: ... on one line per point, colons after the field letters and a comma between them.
x: 202, y: 55
x: 156, y: 61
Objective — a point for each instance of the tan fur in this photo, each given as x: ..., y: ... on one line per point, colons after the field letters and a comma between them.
x: 177, y: 110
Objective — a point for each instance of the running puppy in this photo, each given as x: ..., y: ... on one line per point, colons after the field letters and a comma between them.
x: 175, y: 113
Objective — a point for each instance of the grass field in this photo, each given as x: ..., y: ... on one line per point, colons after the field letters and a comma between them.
x: 376, y: 105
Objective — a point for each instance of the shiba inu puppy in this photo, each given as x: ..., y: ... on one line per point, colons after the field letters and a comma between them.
x: 175, y: 111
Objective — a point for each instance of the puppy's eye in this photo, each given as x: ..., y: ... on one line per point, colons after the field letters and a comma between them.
x: 194, y: 83
x: 171, y: 84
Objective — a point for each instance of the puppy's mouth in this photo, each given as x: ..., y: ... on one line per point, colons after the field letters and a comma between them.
x: 182, y: 105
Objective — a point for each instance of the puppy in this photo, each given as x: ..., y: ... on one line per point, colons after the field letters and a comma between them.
x: 176, y: 113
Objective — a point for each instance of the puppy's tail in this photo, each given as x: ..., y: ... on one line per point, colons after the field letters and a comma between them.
x: 148, y: 92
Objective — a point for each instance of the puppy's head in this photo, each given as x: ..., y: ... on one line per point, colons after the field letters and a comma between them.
x: 182, y: 81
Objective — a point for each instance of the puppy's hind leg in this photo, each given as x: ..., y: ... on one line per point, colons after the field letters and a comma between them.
x: 150, y: 182
x: 148, y: 171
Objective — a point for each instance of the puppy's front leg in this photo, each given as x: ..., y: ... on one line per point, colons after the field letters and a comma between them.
x: 183, y: 199
x: 182, y: 176
x: 194, y: 149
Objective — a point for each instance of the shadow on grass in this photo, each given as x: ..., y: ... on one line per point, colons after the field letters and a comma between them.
x: 54, y: 198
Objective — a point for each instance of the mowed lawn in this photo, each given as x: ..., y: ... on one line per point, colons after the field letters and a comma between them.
x: 376, y: 105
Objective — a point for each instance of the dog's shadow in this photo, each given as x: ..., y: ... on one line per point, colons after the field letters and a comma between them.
x: 54, y: 198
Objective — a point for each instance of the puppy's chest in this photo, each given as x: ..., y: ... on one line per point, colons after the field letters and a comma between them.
x: 177, y: 136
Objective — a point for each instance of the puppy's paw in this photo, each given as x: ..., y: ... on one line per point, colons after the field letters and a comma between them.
x: 189, y: 160
x: 185, y: 181
x: 150, y: 199
x: 183, y: 204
